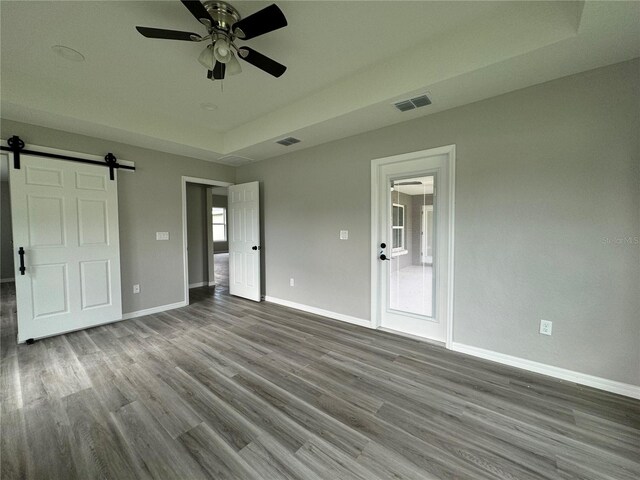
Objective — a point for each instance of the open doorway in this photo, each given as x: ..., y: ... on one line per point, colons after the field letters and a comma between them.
x: 219, y: 251
x: 197, y: 235
x: 207, y: 239
x: 242, y: 225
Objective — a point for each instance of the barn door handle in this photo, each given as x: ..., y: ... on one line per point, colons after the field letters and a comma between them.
x: 22, y: 267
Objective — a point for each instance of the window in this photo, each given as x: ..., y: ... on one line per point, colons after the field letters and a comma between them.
x: 219, y: 220
x: 397, y: 237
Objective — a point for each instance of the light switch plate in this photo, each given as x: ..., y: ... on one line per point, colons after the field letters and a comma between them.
x: 344, y: 234
x: 162, y: 235
x: 546, y: 327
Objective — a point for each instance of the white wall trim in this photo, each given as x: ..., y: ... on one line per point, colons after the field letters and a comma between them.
x: 212, y: 283
x: 198, y: 284
x: 152, y: 310
x: 210, y: 244
x: 556, y: 372
x: 452, y: 243
x: 185, y: 254
x: 69, y: 153
x: 7, y: 280
x: 319, y: 311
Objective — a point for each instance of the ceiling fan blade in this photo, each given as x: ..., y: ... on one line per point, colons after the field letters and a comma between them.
x: 197, y: 10
x: 218, y: 71
x: 264, y: 21
x: 262, y: 62
x: 168, y: 34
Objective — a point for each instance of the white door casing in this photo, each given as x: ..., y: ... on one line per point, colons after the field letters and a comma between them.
x: 439, y: 162
x: 243, y: 218
x: 65, y: 216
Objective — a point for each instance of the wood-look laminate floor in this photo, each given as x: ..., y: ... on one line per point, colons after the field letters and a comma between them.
x: 227, y: 388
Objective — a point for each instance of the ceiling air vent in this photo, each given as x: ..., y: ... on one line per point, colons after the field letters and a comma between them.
x: 413, y: 103
x: 288, y: 141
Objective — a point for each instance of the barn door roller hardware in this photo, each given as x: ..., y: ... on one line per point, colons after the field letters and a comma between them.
x: 16, y: 146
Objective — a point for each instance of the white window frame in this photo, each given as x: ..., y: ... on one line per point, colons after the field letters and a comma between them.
x: 224, y: 209
x: 402, y: 248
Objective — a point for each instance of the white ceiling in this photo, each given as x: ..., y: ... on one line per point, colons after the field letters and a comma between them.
x: 425, y: 189
x: 347, y: 62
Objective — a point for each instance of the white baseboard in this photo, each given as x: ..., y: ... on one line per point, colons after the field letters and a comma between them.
x: 613, y: 386
x: 319, y: 311
x: 199, y: 284
x: 7, y: 280
x: 212, y: 284
x: 149, y: 311
x: 412, y: 337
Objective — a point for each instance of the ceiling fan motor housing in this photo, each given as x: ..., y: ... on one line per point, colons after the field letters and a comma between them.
x: 223, y: 14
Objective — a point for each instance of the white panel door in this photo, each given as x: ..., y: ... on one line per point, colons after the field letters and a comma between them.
x: 65, y: 218
x: 244, y: 240
x: 413, y: 296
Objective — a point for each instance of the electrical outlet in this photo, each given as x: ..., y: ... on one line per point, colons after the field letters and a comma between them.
x: 136, y: 288
x: 344, y: 234
x: 162, y: 235
x: 545, y: 327
x: 292, y: 282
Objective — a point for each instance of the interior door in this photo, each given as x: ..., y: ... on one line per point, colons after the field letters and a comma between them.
x: 412, y: 293
x: 66, y: 242
x: 244, y: 240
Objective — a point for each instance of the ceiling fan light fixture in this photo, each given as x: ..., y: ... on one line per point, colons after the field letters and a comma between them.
x: 233, y: 66
x: 222, y: 51
x: 207, y: 58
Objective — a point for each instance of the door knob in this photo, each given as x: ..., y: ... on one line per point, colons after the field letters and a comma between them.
x: 255, y: 247
x: 384, y: 257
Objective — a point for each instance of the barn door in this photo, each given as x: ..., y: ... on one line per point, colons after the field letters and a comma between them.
x: 67, y: 253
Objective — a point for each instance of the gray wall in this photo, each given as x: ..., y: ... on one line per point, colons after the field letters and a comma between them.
x: 6, y: 236
x: 149, y: 201
x: 197, y: 233
x: 547, y: 183
x: 220, y: 201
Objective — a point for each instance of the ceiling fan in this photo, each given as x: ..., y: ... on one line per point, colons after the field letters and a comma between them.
x: 224, y: 26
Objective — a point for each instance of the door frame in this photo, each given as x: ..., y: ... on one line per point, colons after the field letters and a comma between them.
x: 376, y: 164
x: 185, y: 258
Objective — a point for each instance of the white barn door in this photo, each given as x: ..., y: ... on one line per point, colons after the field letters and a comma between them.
x: 65, y: 233
x: 244, y: 240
